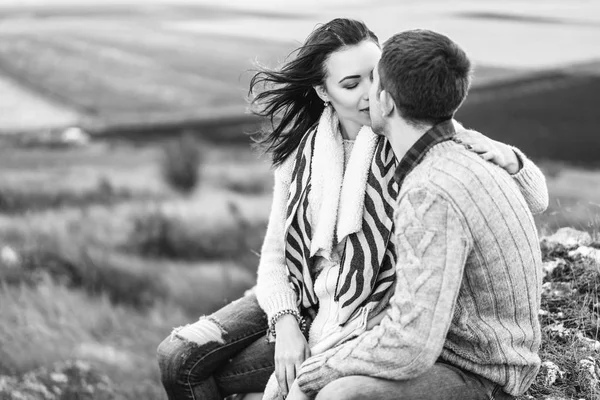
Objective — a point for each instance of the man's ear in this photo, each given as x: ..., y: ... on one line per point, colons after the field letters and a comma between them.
x: 320, y: 89
x: 387, y: 103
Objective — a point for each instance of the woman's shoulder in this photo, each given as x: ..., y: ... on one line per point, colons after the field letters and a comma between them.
x: 284, y: 171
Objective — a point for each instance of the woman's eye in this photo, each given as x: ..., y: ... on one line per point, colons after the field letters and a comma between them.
x: 352, y: 86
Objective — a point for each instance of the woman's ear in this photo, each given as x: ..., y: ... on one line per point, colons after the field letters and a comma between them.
x: 320, y: 90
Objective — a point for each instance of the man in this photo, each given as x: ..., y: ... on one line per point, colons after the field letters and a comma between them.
x: 463, y: 321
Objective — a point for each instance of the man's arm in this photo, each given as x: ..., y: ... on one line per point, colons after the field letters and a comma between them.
x: 433, y: 246
x: 527, y: 175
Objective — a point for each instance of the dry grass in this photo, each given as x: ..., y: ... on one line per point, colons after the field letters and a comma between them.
x: 105, y: 279
x: 51, y: 323
x: 83, y: 289
x: 570, y: 325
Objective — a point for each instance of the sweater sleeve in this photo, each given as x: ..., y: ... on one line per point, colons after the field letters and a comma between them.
x: 433, y: 245
x: 532, y: 183
x: 273, y: 289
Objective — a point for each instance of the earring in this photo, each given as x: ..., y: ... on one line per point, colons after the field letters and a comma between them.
x: 325, y: 103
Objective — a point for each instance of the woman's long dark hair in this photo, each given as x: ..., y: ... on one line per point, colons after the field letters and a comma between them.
x: 288, y: 98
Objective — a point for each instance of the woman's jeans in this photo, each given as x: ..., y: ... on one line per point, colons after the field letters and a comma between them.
x: 227, y: 353
x: 222, y: 354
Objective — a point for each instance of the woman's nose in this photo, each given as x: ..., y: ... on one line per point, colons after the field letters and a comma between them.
x: 365, y: 94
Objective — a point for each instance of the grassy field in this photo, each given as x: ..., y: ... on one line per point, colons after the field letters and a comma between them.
x: 112, y: 258
x: 130, y: 67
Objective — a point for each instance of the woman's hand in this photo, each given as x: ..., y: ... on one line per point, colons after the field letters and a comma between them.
x: 291, y: 349
x: 488, y: 149
x: 296, y: 393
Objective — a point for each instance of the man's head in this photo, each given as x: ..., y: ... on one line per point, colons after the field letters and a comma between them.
x: 422, y: 77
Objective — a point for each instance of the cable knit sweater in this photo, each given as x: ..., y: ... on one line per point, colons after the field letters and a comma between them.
x: 468, y: 281
x: 273, y: 290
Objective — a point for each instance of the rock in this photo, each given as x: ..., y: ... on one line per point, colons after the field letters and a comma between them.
x: 567, y: 238
x: 105, y: 354
x: 64, y: 380
x: 9, y: 257
x: 549, y: 266
x: 75, y: 136
x: 558, y: 331
x: 587, y: 343
x: 550, y: 373
x: 586, y: 374
x: 557, y: 289
x: 587, y: 252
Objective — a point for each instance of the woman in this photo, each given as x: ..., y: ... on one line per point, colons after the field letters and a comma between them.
x: 328, y: 254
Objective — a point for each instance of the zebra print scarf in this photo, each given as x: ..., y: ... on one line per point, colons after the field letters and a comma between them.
x: 369, y: 258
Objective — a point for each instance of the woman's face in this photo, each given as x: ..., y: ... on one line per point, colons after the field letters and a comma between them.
x: 348, y: 80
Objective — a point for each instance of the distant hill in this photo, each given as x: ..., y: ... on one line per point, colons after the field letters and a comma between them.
x: 554, y: 116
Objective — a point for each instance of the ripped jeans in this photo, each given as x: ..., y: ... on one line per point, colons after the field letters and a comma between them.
x: 220, y: 355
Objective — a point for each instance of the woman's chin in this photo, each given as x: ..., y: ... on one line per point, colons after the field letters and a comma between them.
x: 366, y: 120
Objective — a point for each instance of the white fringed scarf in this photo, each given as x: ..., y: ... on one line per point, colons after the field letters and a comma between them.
x: 336, y: 198
x: 327, y: 206
x: 357, y: 205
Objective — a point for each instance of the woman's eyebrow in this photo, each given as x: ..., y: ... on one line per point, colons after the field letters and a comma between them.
x: 349, y: 77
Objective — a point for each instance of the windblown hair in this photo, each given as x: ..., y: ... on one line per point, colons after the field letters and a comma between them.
x: 288, y: 99
x: 427, y: 75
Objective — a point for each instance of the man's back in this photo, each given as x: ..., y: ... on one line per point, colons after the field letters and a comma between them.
x: 495, y: 330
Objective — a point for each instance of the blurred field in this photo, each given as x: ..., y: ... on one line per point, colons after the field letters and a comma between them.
x: 552, y: 115
x: 122, y: 65
x: 140, y: 66
x: 111, y: 258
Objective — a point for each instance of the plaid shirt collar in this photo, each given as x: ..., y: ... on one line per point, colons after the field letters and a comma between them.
x: 437, y: 134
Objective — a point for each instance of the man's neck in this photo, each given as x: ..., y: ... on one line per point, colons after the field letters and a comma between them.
x: 402, y: 136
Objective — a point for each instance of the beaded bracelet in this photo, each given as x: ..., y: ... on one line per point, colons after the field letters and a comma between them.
x: 279, y: 314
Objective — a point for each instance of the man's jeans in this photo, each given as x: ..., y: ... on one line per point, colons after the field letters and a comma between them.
x: 219, y: 355
x: 442, y: 382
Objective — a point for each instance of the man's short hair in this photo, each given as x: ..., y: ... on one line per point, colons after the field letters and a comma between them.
x: 426, y: 73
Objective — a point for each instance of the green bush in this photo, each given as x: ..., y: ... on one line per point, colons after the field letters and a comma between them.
x: 17, y: 201
x: 250, y: 187
x: 96, y: 271
x: 182, y: 159
x: 158, y: 234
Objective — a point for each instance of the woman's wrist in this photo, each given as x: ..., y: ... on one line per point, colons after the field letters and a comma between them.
x: 284, y: 319
x: 285, y: 322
